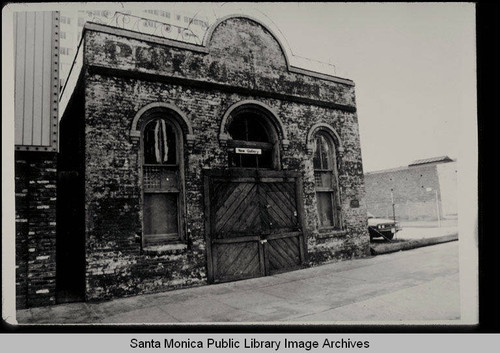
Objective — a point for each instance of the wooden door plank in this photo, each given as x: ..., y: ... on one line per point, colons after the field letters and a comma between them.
x: 231, y: 205
x: 254, y: 267
x: 283, y: 235
x: 208, y: 229
x: 300, y: 219
x: 265, y: 253
x: 236, y: 240
x: 286, y: 250
x: 229, y: 219
x: 239, y: 259
x: 282, y: 201
x: 284, y: 218
x: 275, y: 260
x: 239, y: 256
x: 249, y: 220
x: 247, y: 257
x: 290, y: 246
x: 221, y: 192
x: 287, y: 196
x: 278, y: 221
x: 262, y: 202
x: 278, y: 257
x: 228, y: 202
x: 262, y: 259
x: 247, y: 204
x: 226, y: 255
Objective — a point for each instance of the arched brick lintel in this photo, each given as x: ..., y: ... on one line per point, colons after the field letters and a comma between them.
x: 268, y: 111
x: 182, y: 119
x: 328, y: 129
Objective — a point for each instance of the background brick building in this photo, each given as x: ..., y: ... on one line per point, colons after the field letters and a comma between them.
x: 424, y: 190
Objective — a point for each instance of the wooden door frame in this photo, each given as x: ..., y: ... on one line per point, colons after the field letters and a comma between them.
x: 253, y: 175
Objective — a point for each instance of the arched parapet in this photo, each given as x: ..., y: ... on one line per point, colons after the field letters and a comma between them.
x: 161, y: 107
x: 258, y: 18
x: 329, y: 130
x: 257, y: 106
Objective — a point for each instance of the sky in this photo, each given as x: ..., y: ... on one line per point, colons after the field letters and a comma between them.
x: 413, y: 65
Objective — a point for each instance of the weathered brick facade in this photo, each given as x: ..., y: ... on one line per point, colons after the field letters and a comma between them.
x: 35, y: 188
x: 414, y: 191
x: 241, y: 61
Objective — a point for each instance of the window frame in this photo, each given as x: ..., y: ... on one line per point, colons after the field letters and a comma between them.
x: 179, y: 168
x: 333, y: 189
x: 265, y: 121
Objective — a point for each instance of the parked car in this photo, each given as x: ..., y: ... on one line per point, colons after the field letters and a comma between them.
x: 382, y: 227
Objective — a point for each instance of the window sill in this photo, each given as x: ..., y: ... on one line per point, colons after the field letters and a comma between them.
x: 331, y: 233
x: 164, y: 248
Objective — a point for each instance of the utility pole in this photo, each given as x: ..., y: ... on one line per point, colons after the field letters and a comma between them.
x: 393, y: 208
x: 437, y: 209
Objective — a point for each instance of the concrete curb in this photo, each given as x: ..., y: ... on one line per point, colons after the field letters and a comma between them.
x: 378, y: 249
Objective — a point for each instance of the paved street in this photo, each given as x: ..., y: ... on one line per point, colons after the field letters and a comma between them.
x: 417, y: 286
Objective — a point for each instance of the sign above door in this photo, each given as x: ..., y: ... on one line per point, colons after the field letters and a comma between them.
x: 248, y: 150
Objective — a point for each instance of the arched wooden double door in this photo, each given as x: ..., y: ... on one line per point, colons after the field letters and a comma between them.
x: 254, y: 223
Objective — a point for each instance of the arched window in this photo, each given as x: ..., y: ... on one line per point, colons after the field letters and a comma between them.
x: 254, y: 141
x: 326, y: 185
x: 162, y: 180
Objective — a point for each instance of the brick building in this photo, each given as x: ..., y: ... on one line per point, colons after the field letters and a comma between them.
x: 183, y: 165
x: 36, y: 76
x: 426, y: 189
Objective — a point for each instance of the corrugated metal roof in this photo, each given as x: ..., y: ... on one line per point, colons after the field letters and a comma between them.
x: 431, y: 160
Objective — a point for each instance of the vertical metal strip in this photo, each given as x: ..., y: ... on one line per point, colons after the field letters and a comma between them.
x: 34, y: 77
x: 55, y: 83
x: 43, y: 80
x: 24, y: 75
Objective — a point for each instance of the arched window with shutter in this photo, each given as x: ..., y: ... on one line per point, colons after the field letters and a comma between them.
x: 162, y: 181
x: 326, y: 182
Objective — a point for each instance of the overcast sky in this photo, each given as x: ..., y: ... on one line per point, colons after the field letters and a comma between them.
x: 413, y: 65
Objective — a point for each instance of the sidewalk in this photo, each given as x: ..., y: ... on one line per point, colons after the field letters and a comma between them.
x: 422, y: 230
x: 444, y: 223
x: 414, y: 237
x: 417, y: 286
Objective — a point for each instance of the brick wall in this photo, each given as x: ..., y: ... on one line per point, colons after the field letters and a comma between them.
x: 35, y: 187
x: 241, y: 54
x: 413, y: 189
x: 448, y: 173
